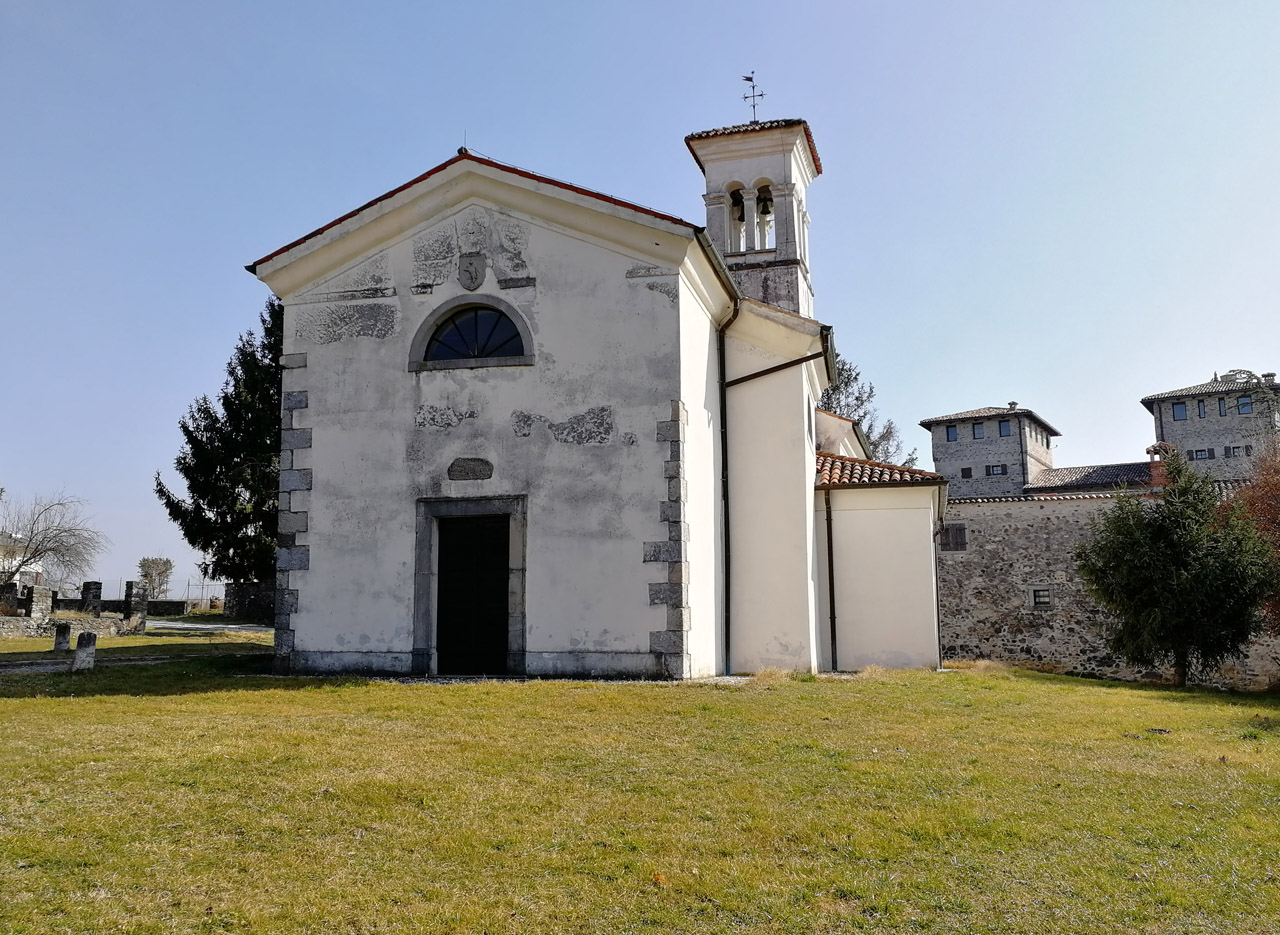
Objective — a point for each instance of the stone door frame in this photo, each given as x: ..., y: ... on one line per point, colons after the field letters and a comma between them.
x: 426, y: 569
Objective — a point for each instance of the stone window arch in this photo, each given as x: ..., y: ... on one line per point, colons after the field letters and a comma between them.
x: 471, y: 331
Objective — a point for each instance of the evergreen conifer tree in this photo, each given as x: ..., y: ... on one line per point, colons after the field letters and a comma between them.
x: 230, y: 458
x: 1184, y: 575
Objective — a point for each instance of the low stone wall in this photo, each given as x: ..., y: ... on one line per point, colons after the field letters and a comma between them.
x: 250, y: 600
x: 30, y: 626
x: 987, y: 609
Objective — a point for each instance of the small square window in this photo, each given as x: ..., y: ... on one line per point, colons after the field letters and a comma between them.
x: 954, y: 538
x: 952, y: 433
x: 1006, y: 429
x: 1041, y: 597
x: 996, y: 469
x: 1179, y: 411
x: 979, y: 430
x: 966, y: 473
x: 1244, y: 405
x: 1200, y: 410
x: 1200, y: 454
x: 1231, y: 451
x: 1222, y: 406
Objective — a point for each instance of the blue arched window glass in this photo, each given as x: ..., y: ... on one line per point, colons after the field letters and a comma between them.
x: 475, y: 333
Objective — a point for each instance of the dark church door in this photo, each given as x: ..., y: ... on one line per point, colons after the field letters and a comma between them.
x: 471, y: 595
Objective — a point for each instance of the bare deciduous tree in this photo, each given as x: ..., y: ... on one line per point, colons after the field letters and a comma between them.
x: 156, y: 572
x: 51, y: 534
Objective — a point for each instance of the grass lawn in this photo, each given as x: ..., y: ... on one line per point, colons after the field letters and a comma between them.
x: 155, y: 642
x: 180, y: 798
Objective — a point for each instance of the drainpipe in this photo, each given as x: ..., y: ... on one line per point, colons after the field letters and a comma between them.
x: 831, y: 581
x: 725, y: 533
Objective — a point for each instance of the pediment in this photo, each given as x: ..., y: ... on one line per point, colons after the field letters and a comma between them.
x: 465, y: 206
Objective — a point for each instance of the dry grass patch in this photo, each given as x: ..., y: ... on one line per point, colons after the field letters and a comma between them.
x: 180, y: 798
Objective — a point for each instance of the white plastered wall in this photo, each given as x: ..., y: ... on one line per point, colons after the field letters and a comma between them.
x: 886, y: 580
x: 383, y: 438
x: 699, y: 381
x: 771, y: 466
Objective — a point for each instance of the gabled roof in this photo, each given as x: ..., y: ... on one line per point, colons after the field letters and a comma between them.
x: 756, y: 126
x: 839, y: 471
x: 465, y: 156
x: 1092, y: 475
x: 1200, y: 389
x: 988, y: 412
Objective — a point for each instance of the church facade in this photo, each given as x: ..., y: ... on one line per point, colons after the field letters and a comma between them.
x: 530, y: 429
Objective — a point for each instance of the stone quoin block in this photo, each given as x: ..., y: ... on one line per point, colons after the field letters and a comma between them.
x: 297, y: 558
x: 295, y: 480
x: 677, y: 489
x: 678, y: 618
x: 293, y: 361
x: 671, y: 511
x: 678, y: 532
x: 670, y: 551
x: 673, y: 595
x: 294, y: 400
x: 288, y: 522
x: 295, y: 438
x: 666, y: 641
x: 287, y: 601
x: 670, y: 431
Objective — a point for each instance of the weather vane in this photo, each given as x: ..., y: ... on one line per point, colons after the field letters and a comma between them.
x: 754, y: 96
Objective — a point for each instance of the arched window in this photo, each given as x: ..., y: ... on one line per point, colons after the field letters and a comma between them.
x: 469, y: 331
x: 475, y: 333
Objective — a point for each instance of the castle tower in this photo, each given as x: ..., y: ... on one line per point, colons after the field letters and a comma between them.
x: 757, y: 176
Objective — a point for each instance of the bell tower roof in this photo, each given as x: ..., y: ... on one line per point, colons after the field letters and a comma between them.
x: 758, y: 126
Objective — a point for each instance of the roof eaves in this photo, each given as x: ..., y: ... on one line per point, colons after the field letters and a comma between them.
x: 470, y: 157
x: 756, y: 126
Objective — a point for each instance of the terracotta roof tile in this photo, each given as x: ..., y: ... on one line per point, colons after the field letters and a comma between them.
x: 839, y: 471
x: 988, y: 412
x: 756, y: 127
x: 1092, y: 475
x: 1206, y: 389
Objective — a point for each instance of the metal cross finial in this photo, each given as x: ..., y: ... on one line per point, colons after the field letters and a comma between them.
x: 754, y: 96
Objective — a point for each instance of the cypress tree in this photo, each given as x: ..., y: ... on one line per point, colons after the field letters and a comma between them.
x: 230, y: 461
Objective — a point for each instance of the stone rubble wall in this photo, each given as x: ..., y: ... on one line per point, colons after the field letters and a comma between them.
x: 33, y: 626
x: 985, y: 598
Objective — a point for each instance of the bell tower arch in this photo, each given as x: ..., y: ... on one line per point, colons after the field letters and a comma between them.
x: 757, y: 177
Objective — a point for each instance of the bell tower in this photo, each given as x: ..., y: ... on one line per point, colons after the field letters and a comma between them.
x: 757, y: 175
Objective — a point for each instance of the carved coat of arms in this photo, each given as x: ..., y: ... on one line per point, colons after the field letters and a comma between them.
x: 471, y: 269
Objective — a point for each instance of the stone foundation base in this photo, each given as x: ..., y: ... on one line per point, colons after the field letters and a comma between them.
x: 597, y: 665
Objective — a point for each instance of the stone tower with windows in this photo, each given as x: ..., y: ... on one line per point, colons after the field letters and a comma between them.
x: 1221, y: 426
x: 757, y: 176
x: 991, y: 452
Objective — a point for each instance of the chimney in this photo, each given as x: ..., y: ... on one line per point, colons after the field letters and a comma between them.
x: 1012, y: 405
x: 1159, y: 473
x: 1269, y: 378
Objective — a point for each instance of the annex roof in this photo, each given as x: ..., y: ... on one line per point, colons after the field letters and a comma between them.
x: 839, y: 471
x: 988, y: 412
x: 1108, y: 495
x: 1092, y: 475
x: 756, y: 126
x: 465, y: 156
x: 1214, y: 386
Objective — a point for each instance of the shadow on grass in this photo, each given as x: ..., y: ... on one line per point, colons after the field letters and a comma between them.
x: 186, y: 675
x: 1191, y: 694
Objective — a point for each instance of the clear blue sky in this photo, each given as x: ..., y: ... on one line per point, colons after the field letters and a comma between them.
x: 1067, y: 204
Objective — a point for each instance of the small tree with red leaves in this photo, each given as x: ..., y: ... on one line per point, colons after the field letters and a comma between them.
x: 1261, y: 499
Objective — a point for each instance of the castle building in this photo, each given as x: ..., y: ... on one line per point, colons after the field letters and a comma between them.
x: 531, y: 429
x: 1007, y: 586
